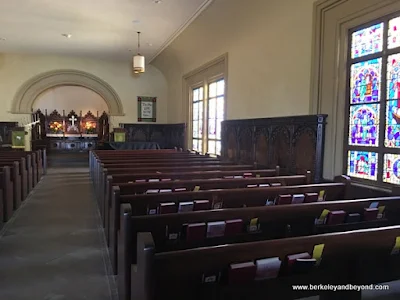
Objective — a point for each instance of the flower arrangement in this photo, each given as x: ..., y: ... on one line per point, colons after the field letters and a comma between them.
x: 90, y: 127
x: 56, y: 127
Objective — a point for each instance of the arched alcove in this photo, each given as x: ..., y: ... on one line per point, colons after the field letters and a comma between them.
x: 31, y: 89
x: 70, y: 97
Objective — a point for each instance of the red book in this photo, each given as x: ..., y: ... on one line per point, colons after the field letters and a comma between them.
x: 284, y: 199
x: 291, y: 259
x: 242, y: 273
x: 233, y: 227
x: 196, y: 232
x: 370, y: 214
x: 336, y: 217
x: 310, y: 197
x: 201, y: 205
x: 167, y: 208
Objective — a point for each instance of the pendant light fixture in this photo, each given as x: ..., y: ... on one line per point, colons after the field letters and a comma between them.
x: 138, y: 60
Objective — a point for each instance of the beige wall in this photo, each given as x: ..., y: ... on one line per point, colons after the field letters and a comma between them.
x: 269, y: 56
x: 67, y: 98
x: 16, y: 69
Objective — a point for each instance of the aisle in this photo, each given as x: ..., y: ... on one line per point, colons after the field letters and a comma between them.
x: 53, y: 248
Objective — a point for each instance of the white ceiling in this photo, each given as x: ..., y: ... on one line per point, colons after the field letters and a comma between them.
x: 99, y: 28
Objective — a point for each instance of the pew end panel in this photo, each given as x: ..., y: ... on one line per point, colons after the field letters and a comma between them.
x: 124, y: 253
x: 114, y: 227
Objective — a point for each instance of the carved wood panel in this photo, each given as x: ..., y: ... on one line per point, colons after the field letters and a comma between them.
x: 294, y: 143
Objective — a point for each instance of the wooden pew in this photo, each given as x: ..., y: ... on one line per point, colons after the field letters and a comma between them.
x: 15, y: 178
x: 22, y: 171
x: 229, y: 198
x: 7, y: 189
x: 31, y: 165
x: 178, y: 274
x: 189, y: 185
x: 103, y: 189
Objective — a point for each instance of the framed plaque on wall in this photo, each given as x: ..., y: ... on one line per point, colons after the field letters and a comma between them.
x: 147, y: 109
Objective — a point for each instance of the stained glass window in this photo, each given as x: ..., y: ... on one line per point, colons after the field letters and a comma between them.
x: 374, y: 103
x: 365, y: 81
x: 391, y: 168
x: 362, y: 164
x: 367, y: 41
x: 364, y: 124
x: 394, y: 33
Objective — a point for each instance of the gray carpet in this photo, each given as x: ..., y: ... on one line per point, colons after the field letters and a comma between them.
x: 53, y: 248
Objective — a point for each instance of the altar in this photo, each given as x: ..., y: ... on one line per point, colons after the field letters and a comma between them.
x: 70, y: 132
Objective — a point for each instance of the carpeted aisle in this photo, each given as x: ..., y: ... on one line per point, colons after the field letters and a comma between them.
x: 53, y: 248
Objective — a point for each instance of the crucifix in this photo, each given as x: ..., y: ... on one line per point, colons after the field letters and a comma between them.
x: 73, y: 119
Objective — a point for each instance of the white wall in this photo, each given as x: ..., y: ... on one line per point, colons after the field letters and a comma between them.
x: 269, y: 56
x: 16, y: 69
x: 77, y: 98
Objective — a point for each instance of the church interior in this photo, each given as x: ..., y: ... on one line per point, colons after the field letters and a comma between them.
x: 202, y: 149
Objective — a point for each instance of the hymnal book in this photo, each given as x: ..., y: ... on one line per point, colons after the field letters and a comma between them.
x: 211, y: 277
x: 139, y: 180
x: 166, y: 179
x: 185, y: 206
x: 152, y: 210
x: 233, y: 227
x: 297, y: 198
x: 284, y: 199
x: 322, y: 218
x: 267, y: 268
x: 167, y: 208
x: 269, y: 202
x: 254, y: 225
x: 311, y: 197
x: 153, y: 191
x: 215, y: 229
x: 303, y: 265
x: 291, y: 259
x: 276, y: 184
x: 196, y: 188
x: 154, y: 180
x: 247, y: 175
x: 195, y: 232
x: 165, y: 190
x: 374, y: 205
x: 336, y: 217
x: 264, y: 185
x: 381, y: 210
x: 236, y: 177
x: 201, y: 205
x: 370, y: 214
x: 353, y: 218
x: 228, y: 177
x: 252, y: 185
x: 180, y: 190
x: 242, y: 272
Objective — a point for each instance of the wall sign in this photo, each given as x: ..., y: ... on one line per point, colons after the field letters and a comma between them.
x: 147, y: 109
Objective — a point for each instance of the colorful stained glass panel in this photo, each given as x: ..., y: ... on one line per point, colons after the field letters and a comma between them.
x: 393, y: 77
x: 367, y: 41
x: 392, y: 134
x: 391, y: 168
x: 394, y: 33
x: 362, y: 164
x: 365, y: 81
x: 364, y: 125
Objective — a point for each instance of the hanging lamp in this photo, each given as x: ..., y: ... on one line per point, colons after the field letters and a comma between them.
x: 138, y: 60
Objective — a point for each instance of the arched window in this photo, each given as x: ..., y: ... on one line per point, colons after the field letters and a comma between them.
x: 372, y: 146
